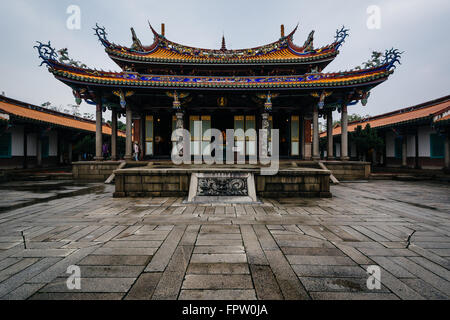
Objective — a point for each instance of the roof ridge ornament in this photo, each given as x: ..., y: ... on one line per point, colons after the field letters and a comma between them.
x: 46, y: 53
x: 391, y: 57
x: 340, y: 37
x: 101, y: 34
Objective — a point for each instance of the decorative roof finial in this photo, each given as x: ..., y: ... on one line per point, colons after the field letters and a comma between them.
x: 282, y: 31
x: 224, y: 45
x: 163, y: 29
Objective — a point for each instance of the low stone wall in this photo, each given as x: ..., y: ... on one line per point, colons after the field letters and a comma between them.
x: 349, y: 170
x: 173, y: 182
x: 152, y: 183
x: 93, y: 170
x: 306, y: 183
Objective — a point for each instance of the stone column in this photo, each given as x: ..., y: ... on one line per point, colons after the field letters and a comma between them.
x: 265, y: 126
x: 98, y: 131
x: 129, y: 138
x: 416, y: 141
x: 114, y: 135
x: 330, y: 155
x: 344, y: 133
x: 404, y: 151
x: 315, y: 149
x: 179, y: 125
x: 447, y: 151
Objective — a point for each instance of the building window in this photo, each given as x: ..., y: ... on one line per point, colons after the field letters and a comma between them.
x: 5, y: 145
x: 149, y: 135
x: 245, y: 144
x: 45, y: 146
x: 200, y: 141
x: 295, y: 136
x: 437, y: 146
x: 398, y: 147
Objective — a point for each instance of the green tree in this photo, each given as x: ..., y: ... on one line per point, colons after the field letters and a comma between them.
x: 367, y: 141
x: 351, y: 118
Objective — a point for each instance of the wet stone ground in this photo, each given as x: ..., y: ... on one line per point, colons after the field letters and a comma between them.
x: 160, y: 248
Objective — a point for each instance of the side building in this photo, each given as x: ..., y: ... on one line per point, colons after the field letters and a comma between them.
x: 414, y: 137
x: 32, y: 136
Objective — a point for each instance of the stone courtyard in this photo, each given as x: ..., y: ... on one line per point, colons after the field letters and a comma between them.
x: 160, y: 248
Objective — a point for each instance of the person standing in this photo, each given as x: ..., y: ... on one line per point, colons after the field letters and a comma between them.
x: 136, y: 151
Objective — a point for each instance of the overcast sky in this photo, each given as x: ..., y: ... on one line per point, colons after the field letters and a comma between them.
x: 418, y: 27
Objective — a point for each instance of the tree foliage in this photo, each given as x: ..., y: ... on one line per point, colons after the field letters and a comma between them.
x: 366, y: 140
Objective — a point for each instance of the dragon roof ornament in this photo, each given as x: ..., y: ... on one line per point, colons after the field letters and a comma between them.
x: 101, y: 33
x: 46, y: 53
x: 340, y: 37
x: 391, y: 57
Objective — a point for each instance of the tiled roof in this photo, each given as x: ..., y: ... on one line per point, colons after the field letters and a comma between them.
x: 35, y: 113
x: 164, y: 50
x: 402, y: 116
x: 316, y: 80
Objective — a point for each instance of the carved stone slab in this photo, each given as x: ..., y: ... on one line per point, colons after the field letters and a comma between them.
x: 229, y: 187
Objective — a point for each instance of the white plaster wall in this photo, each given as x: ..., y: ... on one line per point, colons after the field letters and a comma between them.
x: 53, y: 144
x: 390, y: 144
x: 17, y: 133
x: 424, y: 141
x: 411, y: 146
x: 32, y: 145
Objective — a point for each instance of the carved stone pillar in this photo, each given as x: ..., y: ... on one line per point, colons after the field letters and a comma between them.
x: 344, y: 133
x: 179, y: 126
x: 98, y: 130
x: 114, y: 135
x: 265, y: 125
x: 330, y: 155
x: 316, y: 150
x: 129, y: 138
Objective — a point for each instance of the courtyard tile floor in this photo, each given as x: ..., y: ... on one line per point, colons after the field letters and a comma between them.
x: 160, y: 248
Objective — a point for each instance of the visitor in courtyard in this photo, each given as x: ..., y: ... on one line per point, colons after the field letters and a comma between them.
x: 136, y: 151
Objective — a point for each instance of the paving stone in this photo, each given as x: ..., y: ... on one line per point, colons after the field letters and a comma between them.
x: 217, y: 282
x: 116, y: 260
x: 144, y: 287
x: 217, y: 295
x: 255, y: 254
x: 132, y: 244
x: 92, y: 285
x: 352, y: 296
x: 171, y: 280
x: 324, y: 284
x: 320, y: 260
x: 219, y: 258
x: 217, y: 268
x: 24, y: 291
x: 329, y: 271
x: 76, y: 296
x: 219, y: 249
x: 126, y: 251
x: 289, y: 284
x: 164, y: 253
x: 312, y: 251
x: 111, y: 271
x: 266, y: 285
x: 41, y: 253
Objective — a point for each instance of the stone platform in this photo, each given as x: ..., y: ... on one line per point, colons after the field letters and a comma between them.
x: 175, y: 181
